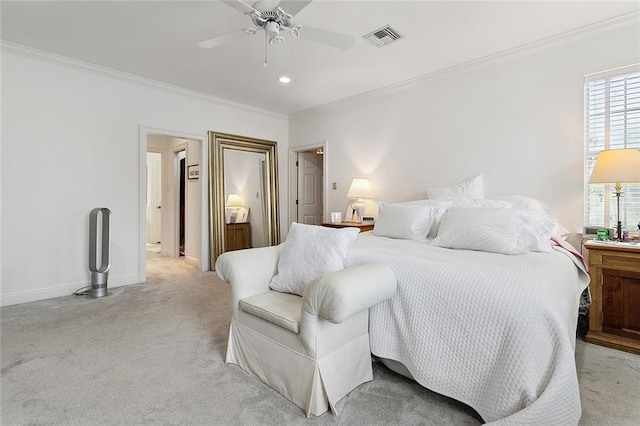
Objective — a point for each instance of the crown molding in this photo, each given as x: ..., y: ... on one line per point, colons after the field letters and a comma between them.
x: 75, y: 64
x: 626, y: 20
x: 629, y: 19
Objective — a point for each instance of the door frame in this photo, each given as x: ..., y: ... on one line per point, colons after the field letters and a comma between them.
x: 143, y: 133
x: 293, y: 178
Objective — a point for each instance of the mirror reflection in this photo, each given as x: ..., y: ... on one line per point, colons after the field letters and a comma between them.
x: 243, y: 193
x: 245, y: 188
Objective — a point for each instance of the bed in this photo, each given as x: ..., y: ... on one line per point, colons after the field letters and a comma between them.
x: 494, y: 331
x: 487, y: 302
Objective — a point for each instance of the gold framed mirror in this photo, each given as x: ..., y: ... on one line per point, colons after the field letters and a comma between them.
x: 247, y: 170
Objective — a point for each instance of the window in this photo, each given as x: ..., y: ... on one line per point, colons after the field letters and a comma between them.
x: 612, y: 121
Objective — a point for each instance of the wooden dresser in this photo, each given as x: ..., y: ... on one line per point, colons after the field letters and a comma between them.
x: 614, y: 315
x: 237, y: 236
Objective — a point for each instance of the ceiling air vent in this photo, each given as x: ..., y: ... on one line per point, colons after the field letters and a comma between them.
x: 383, y: 36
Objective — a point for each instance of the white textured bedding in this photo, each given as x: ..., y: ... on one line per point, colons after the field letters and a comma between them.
x: 494, y: 331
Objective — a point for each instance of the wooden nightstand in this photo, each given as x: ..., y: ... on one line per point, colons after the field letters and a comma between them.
x: 362, y: 226
x: 614, y: 315
x: 238, y: 236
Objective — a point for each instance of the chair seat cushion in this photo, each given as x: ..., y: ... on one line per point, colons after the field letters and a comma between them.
x: 282, y: 309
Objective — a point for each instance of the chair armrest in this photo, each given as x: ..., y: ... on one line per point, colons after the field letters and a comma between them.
x: 248, y: 271
x: 338, y: 295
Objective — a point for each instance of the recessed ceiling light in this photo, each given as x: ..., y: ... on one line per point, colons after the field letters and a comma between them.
x: 284, y: 79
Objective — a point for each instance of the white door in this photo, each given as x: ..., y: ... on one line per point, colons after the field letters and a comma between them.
x: 154, y: 197
x: 310, y: 208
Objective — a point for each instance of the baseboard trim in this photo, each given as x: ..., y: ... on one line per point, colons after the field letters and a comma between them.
x: 192, y: 261
x: 61, y: 290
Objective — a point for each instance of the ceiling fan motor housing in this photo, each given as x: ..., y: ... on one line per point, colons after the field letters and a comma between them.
x: 272, y: 29
x: 276, y: 15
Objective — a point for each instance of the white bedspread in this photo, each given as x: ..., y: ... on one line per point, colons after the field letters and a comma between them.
x: 496, y: 332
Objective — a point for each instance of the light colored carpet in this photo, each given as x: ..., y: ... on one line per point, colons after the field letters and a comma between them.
x: 154, y: 354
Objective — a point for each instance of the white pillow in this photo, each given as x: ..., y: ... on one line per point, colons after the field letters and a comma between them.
x: 471, y: 188
x: 431, y: 203
x: 437, y: 209
x: 409, y: 222
x: 559, y: 232
x: 309, y: 252
x: 522, y: 202
x: 495, y: 230
x: 480, y: 202
x: 536, y: 231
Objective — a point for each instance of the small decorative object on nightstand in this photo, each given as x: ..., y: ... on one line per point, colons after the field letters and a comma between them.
x: 364, y: 227
x: 614, y: 315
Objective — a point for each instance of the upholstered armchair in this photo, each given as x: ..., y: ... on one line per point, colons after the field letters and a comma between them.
x: 312, y: 349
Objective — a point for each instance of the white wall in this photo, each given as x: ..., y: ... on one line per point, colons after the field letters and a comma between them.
x: 70, y: 142
x: 516, y: 120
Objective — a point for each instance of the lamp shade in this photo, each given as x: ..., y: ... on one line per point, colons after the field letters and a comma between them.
x: 359, y: 188
x: 234, y: 200
x: 617, y: 166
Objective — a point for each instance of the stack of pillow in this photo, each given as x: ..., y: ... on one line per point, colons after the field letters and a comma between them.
x: 456, y: 217
x: 460, y: 217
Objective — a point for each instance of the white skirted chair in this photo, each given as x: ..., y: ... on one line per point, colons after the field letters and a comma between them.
x: 313, y: 349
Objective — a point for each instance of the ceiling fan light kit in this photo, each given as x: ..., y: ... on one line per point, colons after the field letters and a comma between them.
x: 271, y: 17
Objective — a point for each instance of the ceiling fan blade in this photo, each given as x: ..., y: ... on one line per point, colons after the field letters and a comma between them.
x: 293, y: 7
x: 240, y: 6
x: 221, y: 39
x: 329, y: 38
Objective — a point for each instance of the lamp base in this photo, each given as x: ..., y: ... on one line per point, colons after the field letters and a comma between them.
x: 360, y: 212
x: 357, y: 210
x: 620, y: 236
x: 618, y: 194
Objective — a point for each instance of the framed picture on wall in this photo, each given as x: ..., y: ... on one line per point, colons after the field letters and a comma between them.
x: 193, y: 172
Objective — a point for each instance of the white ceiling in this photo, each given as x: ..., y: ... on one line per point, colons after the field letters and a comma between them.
x: 157, y: 40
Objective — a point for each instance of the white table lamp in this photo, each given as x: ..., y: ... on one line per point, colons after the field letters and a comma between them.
x: 617, y: 166
x: 358, y: 190
x: 234, y: 201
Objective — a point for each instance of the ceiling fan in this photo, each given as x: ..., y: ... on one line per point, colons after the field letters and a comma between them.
x: 274, y: 17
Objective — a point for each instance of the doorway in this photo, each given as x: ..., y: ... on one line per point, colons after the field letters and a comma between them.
x: 181, y: 217
x: 196, y: 212
x: 310, y: 166
x: 174, y: 200
x: 308, y: 181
